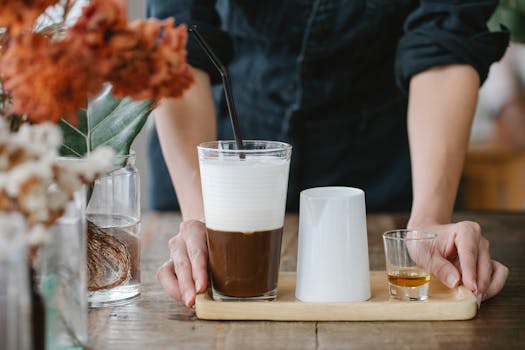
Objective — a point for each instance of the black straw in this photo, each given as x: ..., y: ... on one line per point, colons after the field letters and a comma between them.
x: 226, y: 83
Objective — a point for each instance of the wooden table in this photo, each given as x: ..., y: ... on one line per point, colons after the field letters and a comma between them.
x: 157, y: 322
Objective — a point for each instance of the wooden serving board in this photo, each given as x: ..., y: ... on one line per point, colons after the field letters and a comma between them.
x: 443, y: 304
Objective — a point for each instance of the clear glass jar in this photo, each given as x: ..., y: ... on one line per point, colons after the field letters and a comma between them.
x: 62, y: 278
x: 113, y: 218
x: 15, y: 301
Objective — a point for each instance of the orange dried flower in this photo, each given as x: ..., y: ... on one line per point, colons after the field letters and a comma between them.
x: 146, y: 60
x: 156, y: 67
x: 20, y: 15
x: 99, y: 21
x: 47, y: 79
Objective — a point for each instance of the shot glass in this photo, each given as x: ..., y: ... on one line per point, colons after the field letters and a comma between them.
x: 405, y: 252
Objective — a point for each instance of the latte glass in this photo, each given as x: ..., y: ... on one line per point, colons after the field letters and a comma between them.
x: 244, y: 195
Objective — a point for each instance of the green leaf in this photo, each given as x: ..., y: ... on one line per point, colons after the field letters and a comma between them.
x: 511, y: 14
x: 107, y: 121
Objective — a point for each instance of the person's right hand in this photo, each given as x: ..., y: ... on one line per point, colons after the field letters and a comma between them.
x: 184, y: 275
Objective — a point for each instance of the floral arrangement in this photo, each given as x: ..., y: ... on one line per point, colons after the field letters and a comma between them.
x: 32, y: 179
x: 61, y: 78
x: 48, y: 72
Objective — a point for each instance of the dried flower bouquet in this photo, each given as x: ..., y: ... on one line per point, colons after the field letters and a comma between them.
x: 51, y: 69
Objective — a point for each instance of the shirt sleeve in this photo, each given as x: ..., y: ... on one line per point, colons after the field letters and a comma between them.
x: 203, y: 14
x: 441, y: 32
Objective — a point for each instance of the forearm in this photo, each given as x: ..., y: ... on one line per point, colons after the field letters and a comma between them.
x: 182, y: 124
x: 441, y: 107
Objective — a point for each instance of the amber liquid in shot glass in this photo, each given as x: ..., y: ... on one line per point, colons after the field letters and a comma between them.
x: 408, y: 277
x: 405, y: 252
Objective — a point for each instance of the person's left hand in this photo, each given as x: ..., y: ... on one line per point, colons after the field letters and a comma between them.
x: 460, y: 255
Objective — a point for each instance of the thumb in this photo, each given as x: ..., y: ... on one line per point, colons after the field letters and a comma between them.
x: 444, y: 270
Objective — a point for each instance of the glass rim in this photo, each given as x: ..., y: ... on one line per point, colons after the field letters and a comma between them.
x: 331, y: 192
x: 131, y: 154
x: 427, y: 235
x: 279, y: 146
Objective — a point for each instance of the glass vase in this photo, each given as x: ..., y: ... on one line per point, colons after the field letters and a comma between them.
x: 15, y: 300
x: 113, y: 218
x: 63, y: 279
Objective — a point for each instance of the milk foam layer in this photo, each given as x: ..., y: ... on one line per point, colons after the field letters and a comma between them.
x: 244, y: 195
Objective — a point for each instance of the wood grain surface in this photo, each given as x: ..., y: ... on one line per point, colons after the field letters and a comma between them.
x: 157, y: 322
x: 443, y: 304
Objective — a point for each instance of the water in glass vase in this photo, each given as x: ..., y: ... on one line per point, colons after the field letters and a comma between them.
x: 113, y: 259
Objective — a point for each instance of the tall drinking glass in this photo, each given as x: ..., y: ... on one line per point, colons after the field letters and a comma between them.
x: 244, y: 194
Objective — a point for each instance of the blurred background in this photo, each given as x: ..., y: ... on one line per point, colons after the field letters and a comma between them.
x: 494, y: 174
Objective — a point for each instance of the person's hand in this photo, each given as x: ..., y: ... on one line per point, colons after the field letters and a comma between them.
x: 184, y: 274
x: 460, y: 254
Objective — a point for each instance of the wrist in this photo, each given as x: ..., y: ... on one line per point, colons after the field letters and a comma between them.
x: 425, y: 218
x: 192, y: 212
x: 195, y: 217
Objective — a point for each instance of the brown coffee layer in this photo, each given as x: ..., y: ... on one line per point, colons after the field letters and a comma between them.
x: 244, y: 264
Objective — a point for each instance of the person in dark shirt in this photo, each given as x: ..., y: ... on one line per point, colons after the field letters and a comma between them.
x: 337, y: 80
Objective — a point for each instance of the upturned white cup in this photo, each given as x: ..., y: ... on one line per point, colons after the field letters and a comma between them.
x: 332, y: 260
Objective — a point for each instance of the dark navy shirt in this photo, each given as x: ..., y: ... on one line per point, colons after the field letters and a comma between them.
x: 330, y: 77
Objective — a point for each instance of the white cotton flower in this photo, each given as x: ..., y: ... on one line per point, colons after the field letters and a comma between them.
x: 68, y: 180
x: 69, y: 164
x: 24, y: 134
x: 4, y: 157
x: 4, y: 129
x: 4, y: 162
x: 98, y: 161
x: 25, y: 171
x: 38, y: 235
x: 4, y: 180
x: 57, y: 200
x: 48, y: 160
x: 11, y: 152
x: 51, y: 136
x: 39, y: 139
x: 40, y: 182
x: 35, y: 199
x: 40, y: 214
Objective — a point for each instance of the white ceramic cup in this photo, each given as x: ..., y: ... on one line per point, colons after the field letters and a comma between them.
x: 332, y: 260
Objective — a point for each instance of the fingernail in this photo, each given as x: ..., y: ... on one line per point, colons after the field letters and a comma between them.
x: 198, y: 286
x: 479, y: 298
x: 452, y: 280
x: 187, y: 298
